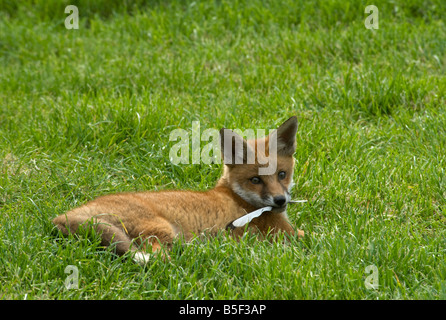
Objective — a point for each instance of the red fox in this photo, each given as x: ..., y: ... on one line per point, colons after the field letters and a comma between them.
x: 145, y: 222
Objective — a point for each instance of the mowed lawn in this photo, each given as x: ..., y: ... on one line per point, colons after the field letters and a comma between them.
x: 88, y: 112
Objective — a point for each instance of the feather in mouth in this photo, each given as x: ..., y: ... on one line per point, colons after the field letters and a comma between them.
x: 243, y: 220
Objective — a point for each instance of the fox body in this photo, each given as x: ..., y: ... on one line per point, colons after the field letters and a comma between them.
x: 154, y: 219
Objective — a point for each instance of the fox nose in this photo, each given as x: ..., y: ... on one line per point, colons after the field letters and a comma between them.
x: 279, y: 200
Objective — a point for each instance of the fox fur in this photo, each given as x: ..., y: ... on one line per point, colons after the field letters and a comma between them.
x: 153, y: 219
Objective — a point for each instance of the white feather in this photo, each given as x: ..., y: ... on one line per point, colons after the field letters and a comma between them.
x: 240, y: 222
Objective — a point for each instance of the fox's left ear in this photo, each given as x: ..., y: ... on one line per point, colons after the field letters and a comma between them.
x: 286, y: 137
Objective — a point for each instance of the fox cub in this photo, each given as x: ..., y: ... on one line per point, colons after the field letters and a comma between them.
x: 144, y: 222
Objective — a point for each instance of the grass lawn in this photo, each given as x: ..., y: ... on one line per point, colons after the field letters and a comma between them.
x: 88, y: 112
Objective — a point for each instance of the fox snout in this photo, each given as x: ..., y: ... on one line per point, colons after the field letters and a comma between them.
x: 279, y: 200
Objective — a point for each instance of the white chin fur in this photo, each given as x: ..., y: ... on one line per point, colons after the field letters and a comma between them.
x: 290, y: 186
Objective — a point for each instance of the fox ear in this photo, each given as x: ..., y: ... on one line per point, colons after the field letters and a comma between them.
x: 286, y: 137
x: 234, y: 149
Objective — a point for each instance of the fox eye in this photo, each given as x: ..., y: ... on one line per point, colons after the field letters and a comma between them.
x: 282, y: 175
x: 256, y: 180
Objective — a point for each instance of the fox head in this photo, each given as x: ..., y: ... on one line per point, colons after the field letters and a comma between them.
x: 260, y: 171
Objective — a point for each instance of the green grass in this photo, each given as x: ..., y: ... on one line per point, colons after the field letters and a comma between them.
x: 88, y: 112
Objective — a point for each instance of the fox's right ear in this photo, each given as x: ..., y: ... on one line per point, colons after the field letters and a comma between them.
x: 286, y: 137
x: 234, y: 149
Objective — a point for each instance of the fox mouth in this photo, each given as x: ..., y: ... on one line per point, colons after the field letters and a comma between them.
x: 278, y: 203
x: 277, y: 206
x: 269, y: 202
x: 277, y: 209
